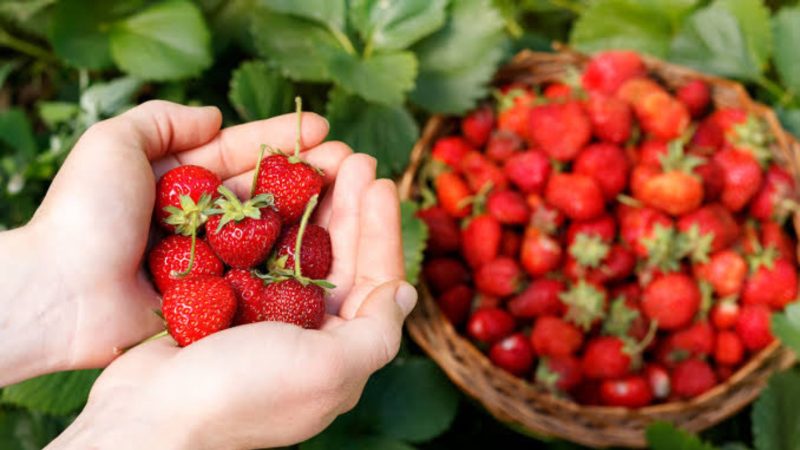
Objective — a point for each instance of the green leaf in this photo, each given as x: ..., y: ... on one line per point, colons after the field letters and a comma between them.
x: 381, y: 78
x: 6, y: 67
x: 458, y: 61
x: 646, y: 26
x: 365, y: 127
x: 166, y: 41
x: 57, y: 394
x: 790, y: 118
x: 664, y: 436
x: 103, y: 100
x: 415, y: 235
x: 330, y: 13
x: 786, y: 29
x: 776, y: 414
x: 786, y: 326
x: 396, y: 25
x: 17, y: 133
x: 258, y: 91
x: 26, y: 430
x: 753, y: 17
x: 79, y: 33
x: 54, y: 114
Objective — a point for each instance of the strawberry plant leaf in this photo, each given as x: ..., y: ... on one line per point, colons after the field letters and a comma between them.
x: 362, y: 125
x: 58, y: 393
x: 102, y: 100
x: 395, y: 25
x: 166, y: 41
x: 229, y: 21
x: 330, y: 13
x: 79, y: 33
x: 776, y: 414
x: 16, y: 131
x: 381, y: 78
x: 415, y: 236
x: 790, y: 118
x: 664, y: 436
x: 258, y: 91
x: 458, y: 61
x: 786, y: 28
x: 753, y: 17
x: 27, y: 430
x: 786, y: 326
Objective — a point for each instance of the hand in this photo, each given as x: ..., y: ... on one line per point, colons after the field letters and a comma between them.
x: 267, y: 384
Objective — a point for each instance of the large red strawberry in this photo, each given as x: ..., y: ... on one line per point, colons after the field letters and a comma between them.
x: 453, y: 194
x: 559, y: 374
x: 172, y: 257
x: 514, y: 104
x: 696, y: 95
x: 540, y: 253
x: 456, y: 302
x: 508, y: 207
x: 578, y: 196
x: 528, y: 171
x: 741, y: 175
x: 725, y: 271
x: 182, y: 196
x: 500, y: 277
x: 560, y: 129
x: 607, y: 71
x: 481, y: 240
x: 776, y: 199
x: 607, y: 164
x: 631, y: 392
x: 316, y: 254
x: 552, y: 336
x: 489, y: 325
x: 540, y: 298
x: 477, y: 125
x: 606, y: 357
x: 513, y: 354
x: 673, y: 187
x: 291, y: 181
x: 248, y: 289
x: 198, y: 306
x: 442, y: 274
x: 444, y: 234
x: 772, y: 281
x: 450, y: 150
x: 291, y: 301
x: 753, y: 326
x: 691, y: 378
x: 671, y: 300
x: 611, y: 118
x: 714, y: 219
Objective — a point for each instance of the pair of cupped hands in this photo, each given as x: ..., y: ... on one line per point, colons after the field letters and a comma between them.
x: 75, y: 294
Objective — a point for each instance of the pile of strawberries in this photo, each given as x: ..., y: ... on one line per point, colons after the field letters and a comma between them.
x: 609, y: 239
x: 208, y: 266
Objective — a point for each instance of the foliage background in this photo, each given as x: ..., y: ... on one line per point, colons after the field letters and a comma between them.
x: 377, y: 69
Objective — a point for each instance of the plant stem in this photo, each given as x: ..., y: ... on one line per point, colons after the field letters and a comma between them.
x: 191, y: 257
x: 312, y: 203
x: 782, y: 96
x: 344, y: 41
x: 15, y: 43
x: 299, y: 110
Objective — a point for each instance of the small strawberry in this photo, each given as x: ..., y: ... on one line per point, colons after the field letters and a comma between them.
x: 561, y: 130
x: 453, y: 194
x: 637, y: 226
x: 444, y: 234
x: 559, y: 374
x: 776, y: 199
x: 290, y: 301
x: 500, y: 277
x: 753, y: 326
x: 455, y: 303
x: 741, y: 175
x: 489, y: 325
x: 198, y: 306
x: 611, y: 118
x: 182, y: 196
x: 316, y: 254
x: 729, y: 349
x: 450, y: 150
x: 514, y: 104
x: 658, y: 379
x: 713, y: 178
x: 715, y: 219
x: 171, y: 259
x: 772, y: 281
x: 481, y: 173
x: 607, y: 164
x: 725, y: 314
x: 671, y: 300
x: 481, y: 240
x: 696, y: 95
x: 558, y: 91
x: 725, y: 271
x: 592, y: 259
x: 606, y: 357
x: 513, y: 354
x: 554, y: 337
x: 697, y: 340
x: 631, y: 392
x: 503, y: 145
x: 248, y: 289
x: 544, y: 216
x: 603, y: 226
x: 508, y: 207
x: 774, y: 235
x: 675, y: 189
x: 540, y: 298
x: 585, y: 303
x: 477, y: 125
x: 578, y: 196
x: 540, y: 253
x: 651, y: 151
x: 608, y: 70
x: 441, y: 274
x: 660, y: 115
x: 708, y: 137
x: 528, y: 171
x: 691, y: 378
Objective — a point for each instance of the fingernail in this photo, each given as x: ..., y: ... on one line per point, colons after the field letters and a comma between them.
x: 406, y: 297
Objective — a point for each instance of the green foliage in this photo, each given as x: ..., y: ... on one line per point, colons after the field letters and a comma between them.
x: 776, y: 414
x: 664, y: 436
x: 258, y: 91
x: 27, y: 430
x: 415, y: 236
x: 786, y: 29
x: 786, y: 326
x: 56, y: 394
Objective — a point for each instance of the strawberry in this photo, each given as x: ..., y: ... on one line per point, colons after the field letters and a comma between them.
x: 697, y: 340
x: 637, y: 225
x: 558, y: 91
x: 510, y: 243
x: 198, y: 306
x: 508, y: 207
x: 528, y: 171
x: 775, y: 200
x: 248, y: 289
x: 485, y: 301
x: 171, y: 258
x: 585, y: 303
x: 444, y: 234
x: 741, y: 177
x: 489, y: 325
x: 591, y: 259
x: 182, y: 196
x: 611, y: 118
x: 455, y: 303
x: 503, y: 145
x: 696, y: 95
x: 753, y: 326
x: 441, y: 274
x: 481, y: 240
x: 540, y: 298
x: 625, y: 319
x: 481, y: 173
x: 608, y: 70
x: 675, y: 189
x: 772, y: 282
x: 773, y: 235
x: 242, y: 234
x: 543, y: 215
x: 658, y: 379
x: 561, y: 130
x: 453, y: 194
x: 499, y: 277
x: 671, y: 300
x: 708, y: 137
x: 651, y: 152
x: 659, y: 114
x: 607, y: 164
x: 554, y: 337
x: 513, y: 354
x: 729, y: 349
x: 291, y: 301
x: 559, y: 374
x: 725, y: 271
x: 631, y: 392
x: 725, y: 314
x: 714, y: 219
x: 477, y: 125
x: 540, y: 253
x: 578, y: 196
x: 606, y: 357
x: 603, y: 226
x: 450, y: 150
x: 316, y: 254
x: 691, y: 378
x: 514, y: 104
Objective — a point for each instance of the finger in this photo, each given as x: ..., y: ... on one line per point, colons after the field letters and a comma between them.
x: 235, y: 150
x: 380, y: 250
x: 372, y: 337
x: 355, y: 176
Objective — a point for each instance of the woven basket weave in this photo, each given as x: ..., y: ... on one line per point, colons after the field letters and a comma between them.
x: 523, y: 404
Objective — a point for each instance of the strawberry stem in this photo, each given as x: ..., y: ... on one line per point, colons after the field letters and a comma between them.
x: 258, y: 169
x: 299, y: 111
x: 191, y: 258
x: 312, y: 203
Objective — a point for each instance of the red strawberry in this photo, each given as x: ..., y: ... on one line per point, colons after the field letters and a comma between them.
x: 528, y: 171
x: 540, y: 298
x: 611, y: 118
x: 192, y: 183
x: 514, y: 106
x: 485, y: 301
x: 513, y: 354
x: 442, y: 274
x: 544, y: 216
x: 616, y: 266
x: 691, y: 378
x: 675, y: 188
x: 772, y: 282
x: 196, y: 307
x: 672, y: 300
x: 499, y: 277
x: 625, y: 319
x: 579, y: 197
x: 481, y: 240
x: 587, y: 252
x: 554, y: 337
x: 708, y: 137
x: 489, y: 325
x: 753, y: 326
x: 714, y: 219
x: 510, y: 244
x: 558, y: 91
x: 455, y: 303
x: 607, y: 71
x: 725, y: 271
x: 450, y: 150
x: 605, y: 357
x: 561, y: 130
x: 607, y: 164
x: 725, y: 314
x: 631, y: 392
x: 248, y: 289
x: 560, y: 374
x: 742, y: 177
x: 659, y: 114
x: 651, y: 151
x: 481, y: 173
x: 477, y: 125
x: 444, y: 234
x: 291, y: 301
x: 172, y: 256
x: 696, y: 340
x: 729, y: 349
x: 453, y: 194
x: 540, y: 253
x: 773, y: 235
x: 585, y: 303
x: 696, y: 95
x: 508, y: 207
x: 775, y: 200
x: 291, y: 182
x: 659, y: 381
x: 637, y: 225
x: 503, y: 145
x: 316, y: 254
x: 603, y: 226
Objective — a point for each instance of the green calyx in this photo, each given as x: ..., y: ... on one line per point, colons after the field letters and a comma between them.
x: 190, y: 216
x: 545, y: 376
x: 694, y: 244
x: 753, y: 135
x: 620, y: 318
x: 635, y: 349
x: 507, y: 100
x: 706, y: 299
x: 478, y: 201
x: 662, y: 251
x: 233, y: 210
x: 763, y: 258
x: 585, y: 305
x: 676, y: 160
x: 589, y: 250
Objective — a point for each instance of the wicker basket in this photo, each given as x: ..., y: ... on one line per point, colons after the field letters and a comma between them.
x: 522, y: 404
